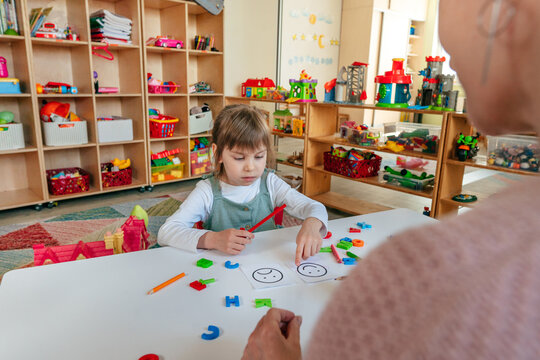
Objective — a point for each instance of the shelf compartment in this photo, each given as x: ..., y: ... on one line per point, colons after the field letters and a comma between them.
x: 128, y: 107
x: 215, y: 103
x: 21, y: 107
x: 175, y: 107
x: 134, y: 151
x: 83, y: 107
x: 183, y: 145
x: 63, y: 64
x: 164, y: 18
x: 201, y: 22
x: 348, y: 204
x: 21, y: 180
x: 85, y: 158
x: 120, y: 72
x: 126, y: 8
x: 65, y: 12
x: 208, y: 69
x: 168, y: 66
x: 17, y: 64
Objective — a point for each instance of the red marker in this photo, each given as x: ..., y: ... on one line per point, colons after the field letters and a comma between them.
x: 268, y: 217
x: 334, y: 251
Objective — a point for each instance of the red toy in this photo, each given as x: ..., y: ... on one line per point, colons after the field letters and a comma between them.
x: 197, y: 285
x: 336, y: 254
x: 354, y: 230
x: 58, y: 254
x: 135, y: 235
x: 257, y: 87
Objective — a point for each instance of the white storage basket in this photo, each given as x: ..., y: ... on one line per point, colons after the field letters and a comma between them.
x: 11, y: 136
x: 115, y: 130
x: 65, y: 133
x: 201, y: 122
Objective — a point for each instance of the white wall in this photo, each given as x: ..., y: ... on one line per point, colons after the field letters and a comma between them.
x: 250, y: 42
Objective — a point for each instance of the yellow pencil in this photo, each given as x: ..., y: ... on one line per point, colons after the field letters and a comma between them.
x: 168, y: 282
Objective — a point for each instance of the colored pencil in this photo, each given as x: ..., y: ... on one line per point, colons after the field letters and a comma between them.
x: 336, y: 254
x: 268, y: 217
x: 166, y: 283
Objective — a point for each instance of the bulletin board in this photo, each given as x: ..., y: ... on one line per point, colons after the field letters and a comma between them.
x: 310, y: 34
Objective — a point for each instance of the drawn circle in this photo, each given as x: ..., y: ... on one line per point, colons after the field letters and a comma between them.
x: 267, y: 275
x: 311, y: 270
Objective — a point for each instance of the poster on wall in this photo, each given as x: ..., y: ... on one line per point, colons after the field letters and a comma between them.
x: 310, y: 40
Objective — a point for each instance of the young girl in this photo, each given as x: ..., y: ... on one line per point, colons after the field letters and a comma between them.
x: 241, y: 193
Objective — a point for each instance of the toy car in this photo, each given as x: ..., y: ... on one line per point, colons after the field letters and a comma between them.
x: 169, y: 43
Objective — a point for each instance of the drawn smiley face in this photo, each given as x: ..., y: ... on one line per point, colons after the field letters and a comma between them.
x: 267, y: 275
x: 311, y: 270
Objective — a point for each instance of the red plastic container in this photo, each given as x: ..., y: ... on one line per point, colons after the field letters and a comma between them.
x: 115, y: 178
x: 162, y: 126
x: 351, y: 168
x: 68, y: 185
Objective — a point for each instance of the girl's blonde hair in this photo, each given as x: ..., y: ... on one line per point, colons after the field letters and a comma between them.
x: 244, y: 127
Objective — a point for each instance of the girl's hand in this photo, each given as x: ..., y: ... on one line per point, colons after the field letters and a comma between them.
x: 230, y: 241
x: 308, y: 240
x: 276, y: 336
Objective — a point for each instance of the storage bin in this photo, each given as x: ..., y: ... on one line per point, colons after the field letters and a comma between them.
x: 408, y: 182
x: 167, y: 172
x: 163, y: 126
x: 68, y: 185
x: 414, y: 136
x: 115, y: 178
x: 514, y: 151
x: 9, y: 86
x: 11, y: 136
x: 201, y: 122
x: 369, y: 137
x: 115, y: 130
x: 201, y: 161
x: 352, y: 168
x: 65, y: 133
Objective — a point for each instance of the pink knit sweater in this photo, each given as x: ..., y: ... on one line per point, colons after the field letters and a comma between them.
x: 467, y: 288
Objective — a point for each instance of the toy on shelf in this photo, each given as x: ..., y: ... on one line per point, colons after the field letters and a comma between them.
x: 161, y: 126
x: 6, y: 117
x: 359, y: 134
x: 160, y: 87
x: 201, y: 161
x: 116, y: 173
x: 303, y: 89
x: 165, y: 41
x: 465, y: 198
x: 56, y: 88
x: 7, y: 85
x: 436, y: 92
x: 408, y: 179
x: 296, y: 158
x: 198, y: 143
x: 330, y: 90
x: 54, y: 111
x: 166, y: 165
x: 411, y: 163
x: 283, y: 121
x: 278, y: 93
x: 352, y: 163
x: 204, y: 43
x: 200, y: 87
x: 67, y: 181
x: 11, y: 133
x: 467, y: 146
x: 356, y: 75
x: 394, y: 87
x: 257, y: 88
x: 412, y: 137
x: 103, y: 90
x: 514, y: 151
x: 165, y: 157
x: 51, y: 31
x: 200, y: 119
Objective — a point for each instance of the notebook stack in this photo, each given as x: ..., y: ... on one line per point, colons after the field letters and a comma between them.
x: 110, y: 28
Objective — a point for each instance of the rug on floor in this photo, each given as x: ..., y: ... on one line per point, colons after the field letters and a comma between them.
x: 16, y: 240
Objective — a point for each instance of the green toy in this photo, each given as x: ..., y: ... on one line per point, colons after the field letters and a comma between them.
x: 204, y: 263
x: 140, y: 214
x: 467, y: 146
x: 6, y: 117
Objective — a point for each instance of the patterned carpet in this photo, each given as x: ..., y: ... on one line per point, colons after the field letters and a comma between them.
x: 16, y: 240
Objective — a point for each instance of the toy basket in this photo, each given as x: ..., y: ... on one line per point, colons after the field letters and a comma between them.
x: 352, y: 168
x: 11, y: 136
x: 162, y: 126
x: 115, y: 178
x: 165, y: 88
x: 68, y: 185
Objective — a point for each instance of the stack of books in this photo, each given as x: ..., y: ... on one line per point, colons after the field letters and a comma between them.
x: 203, y: 42
x: 8, y: 17
x: 110, y: 28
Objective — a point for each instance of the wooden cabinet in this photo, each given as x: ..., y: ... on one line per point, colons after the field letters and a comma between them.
x: 37, y: 60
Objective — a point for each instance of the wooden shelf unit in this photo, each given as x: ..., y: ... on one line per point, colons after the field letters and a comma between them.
x: 38, y: 60
x: 452, y: 170
x: 321, y: 128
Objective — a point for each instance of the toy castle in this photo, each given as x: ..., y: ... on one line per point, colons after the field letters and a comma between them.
x: 437, y: 89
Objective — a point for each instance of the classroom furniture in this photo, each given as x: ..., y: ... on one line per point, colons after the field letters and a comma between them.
x: 39, y: 60
x: 99, y: 308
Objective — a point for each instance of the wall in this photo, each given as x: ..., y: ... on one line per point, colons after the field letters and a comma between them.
x: 251, y: 28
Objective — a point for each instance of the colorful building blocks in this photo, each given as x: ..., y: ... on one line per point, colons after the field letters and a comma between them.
x: 358, y: 242
x: 349, y: 261
x: 232, y: 301
x: 363, y: 225
x: 257, y: 88
x: 204, y: 263
x: 230, y: 265
x: 207, y: 281
x: 394, y: 87
x: 263, y: 302
x: 212, y: 334
x: 353, y: 255
x: 326, y: 249
x: 437, y: 89
x: 57, y: 254
x: 135, y: 235
x: 303, y: 89
x: 355, y: 230
x: 197, y: 285
x: 345, y: 245
x: 346, y: 239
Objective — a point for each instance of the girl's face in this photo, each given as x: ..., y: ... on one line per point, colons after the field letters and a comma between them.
x: 242, y: 167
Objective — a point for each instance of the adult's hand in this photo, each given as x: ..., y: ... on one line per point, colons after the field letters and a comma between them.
x: 276, y: 336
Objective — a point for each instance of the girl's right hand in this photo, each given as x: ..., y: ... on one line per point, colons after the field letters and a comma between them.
x: 230, y: 241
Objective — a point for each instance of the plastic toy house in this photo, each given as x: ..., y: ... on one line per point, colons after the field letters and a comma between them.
x: 437, y: 89
x: 394, y: 87
x: 135, y: 235
x: 257, y: 88
x: 57, y: 254
x: 356, y: 82
x: 303, y: 90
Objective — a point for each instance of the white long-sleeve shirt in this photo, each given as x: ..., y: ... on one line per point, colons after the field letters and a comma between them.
x: 178, y: 230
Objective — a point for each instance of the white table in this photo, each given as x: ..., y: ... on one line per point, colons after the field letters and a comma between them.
x: 99, y: 309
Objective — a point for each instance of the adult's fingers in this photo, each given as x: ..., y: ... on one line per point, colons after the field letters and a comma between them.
x: 278, y: 316
x: 293, y: 330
